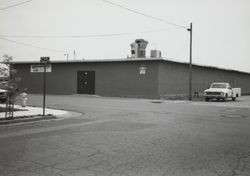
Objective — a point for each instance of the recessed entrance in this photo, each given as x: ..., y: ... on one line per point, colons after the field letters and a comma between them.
x: 86, y: 82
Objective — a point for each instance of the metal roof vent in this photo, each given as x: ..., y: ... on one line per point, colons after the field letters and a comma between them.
x: 138, y: 48
x: 155, y: 54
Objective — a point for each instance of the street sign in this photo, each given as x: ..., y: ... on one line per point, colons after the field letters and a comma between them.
x: 44, y: 60
x: 40, y: 68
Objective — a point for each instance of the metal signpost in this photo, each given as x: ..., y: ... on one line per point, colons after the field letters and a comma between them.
x: 44, y: 61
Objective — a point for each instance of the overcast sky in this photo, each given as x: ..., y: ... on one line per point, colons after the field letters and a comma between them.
x: 221, y: 30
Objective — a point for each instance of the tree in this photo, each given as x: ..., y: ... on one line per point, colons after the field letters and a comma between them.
x: 11, y: 86
x: 4, y: 67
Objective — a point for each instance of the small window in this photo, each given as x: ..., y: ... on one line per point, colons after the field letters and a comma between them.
x: 142, y: 53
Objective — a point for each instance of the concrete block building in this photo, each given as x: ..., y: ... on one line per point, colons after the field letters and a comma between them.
x: 134, y: 77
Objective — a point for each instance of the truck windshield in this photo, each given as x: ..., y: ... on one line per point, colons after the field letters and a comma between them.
x: 218, y: 86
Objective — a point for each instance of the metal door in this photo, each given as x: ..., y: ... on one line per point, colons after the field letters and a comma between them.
x: 86, y: 82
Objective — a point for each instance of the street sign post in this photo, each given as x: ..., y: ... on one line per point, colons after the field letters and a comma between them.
x: 44, y: 61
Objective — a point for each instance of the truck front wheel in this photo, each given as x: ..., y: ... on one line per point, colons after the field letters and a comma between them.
x: 233, y: 98
x: 206, y: 99
x: 224, y: 99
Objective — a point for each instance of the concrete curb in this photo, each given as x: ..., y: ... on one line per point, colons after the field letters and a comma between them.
x: 26, y: 119
x: 31, y: 116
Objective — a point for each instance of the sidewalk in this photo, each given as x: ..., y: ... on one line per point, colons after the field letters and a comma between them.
x: 33, y: 111
x: 34, y: 114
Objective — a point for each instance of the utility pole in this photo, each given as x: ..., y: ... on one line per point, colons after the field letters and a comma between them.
x: 74, y: 55
x: 190, y: 62
x: 67, y: 56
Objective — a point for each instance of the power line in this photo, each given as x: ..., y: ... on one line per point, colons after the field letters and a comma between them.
x: 143, y: 14
x: 33, y: 46
x: 14, y: 5
x: 4, y: 37
x: 86, y: 36
x: 180, y: 50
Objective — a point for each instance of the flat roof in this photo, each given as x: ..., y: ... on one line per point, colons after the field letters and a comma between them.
x: 94, y: 60
x: 130, y: 60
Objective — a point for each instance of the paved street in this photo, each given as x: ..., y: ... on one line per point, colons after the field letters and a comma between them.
x: 130, y: 137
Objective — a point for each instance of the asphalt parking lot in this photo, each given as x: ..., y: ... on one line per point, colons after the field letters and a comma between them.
x: 124, y: 136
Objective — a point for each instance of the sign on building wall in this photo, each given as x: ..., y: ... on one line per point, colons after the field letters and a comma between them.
x: 142, y: 70
x: 39, y: 68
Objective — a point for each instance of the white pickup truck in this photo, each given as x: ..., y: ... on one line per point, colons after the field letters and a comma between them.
x: 221, y: 91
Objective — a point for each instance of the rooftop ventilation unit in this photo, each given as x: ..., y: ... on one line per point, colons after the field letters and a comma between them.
x: 138, y: 48
x: 155, y: 54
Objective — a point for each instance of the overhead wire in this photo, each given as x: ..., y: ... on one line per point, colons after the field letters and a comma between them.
x: 4, y: 37
x: 14, y: 5
x: 85, y: 36
x: 180, y: 51
x: 143, y: 14
x: 34, y: 46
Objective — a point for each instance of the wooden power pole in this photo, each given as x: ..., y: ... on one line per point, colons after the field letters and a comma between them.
x: 190, y: 62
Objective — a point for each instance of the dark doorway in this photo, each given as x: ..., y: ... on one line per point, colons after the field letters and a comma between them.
x: 86, y: 82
